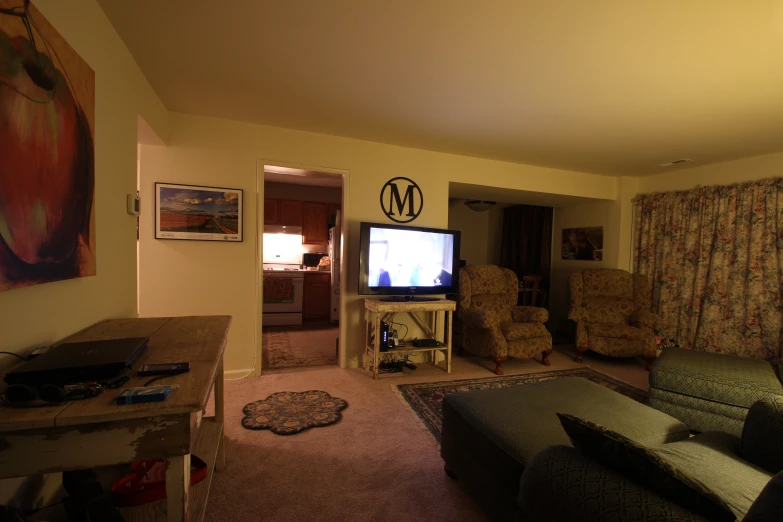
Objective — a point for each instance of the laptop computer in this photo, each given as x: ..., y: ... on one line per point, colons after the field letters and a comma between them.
x: 69, y: 363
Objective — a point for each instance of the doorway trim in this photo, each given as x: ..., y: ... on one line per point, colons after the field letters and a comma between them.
x: 259, y: 280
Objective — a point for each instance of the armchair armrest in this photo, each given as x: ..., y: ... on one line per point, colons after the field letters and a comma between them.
x: 479, y: 318
x: 529, y: 314
x: 763, y: 425
x: 579, y: 314
x: 645, y: 319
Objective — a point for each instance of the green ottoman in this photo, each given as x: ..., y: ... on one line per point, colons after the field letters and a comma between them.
x: 710, y: 391
x: 489, y: 436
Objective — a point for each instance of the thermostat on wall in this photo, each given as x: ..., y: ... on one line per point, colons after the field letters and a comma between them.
x: 134, y: 204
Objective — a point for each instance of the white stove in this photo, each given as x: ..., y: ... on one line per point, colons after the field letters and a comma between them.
x: 282, y: 306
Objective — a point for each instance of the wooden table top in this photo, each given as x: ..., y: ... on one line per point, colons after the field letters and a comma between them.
x: 199, y: 340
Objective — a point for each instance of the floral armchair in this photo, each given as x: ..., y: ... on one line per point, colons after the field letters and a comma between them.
x: 611, y: 308
x: 492, y: 324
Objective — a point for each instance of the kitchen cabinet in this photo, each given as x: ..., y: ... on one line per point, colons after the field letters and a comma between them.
x: 316, y: 303
x: 289, y: 212
x: 315, y: 219
x: 333, y: 208
x: 270, y: 211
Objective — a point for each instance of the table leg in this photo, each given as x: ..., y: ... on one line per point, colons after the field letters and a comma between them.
x: 220, y: 461
x: 177, y: 488
x: 376, y: 346
x: 447, y: 332
x: 365, y: 357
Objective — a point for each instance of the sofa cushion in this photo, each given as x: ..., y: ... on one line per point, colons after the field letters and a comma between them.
x: 739, y: 381
x: 764, y: 425
x: 608, y: 282
x: 561, y: 484
x: 713, y: 459
x: 644, y: 466
x: 513, y: 331
x: 768, y: 507
x: 699, y: 414
x: 614, y: 310
x: 617, y: 331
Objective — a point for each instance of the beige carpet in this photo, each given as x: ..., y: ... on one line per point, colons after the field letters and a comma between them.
x: 378, y: 464
x: 299, y: 346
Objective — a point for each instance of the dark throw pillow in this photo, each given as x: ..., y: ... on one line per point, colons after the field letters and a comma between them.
x: 644, y: 467
x: 762, y: 434
x: 768, y: 507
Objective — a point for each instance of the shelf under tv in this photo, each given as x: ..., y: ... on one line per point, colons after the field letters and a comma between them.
x: 408, y: 299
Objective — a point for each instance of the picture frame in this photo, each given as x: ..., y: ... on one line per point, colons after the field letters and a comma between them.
x: 583, y: 244
x: 198, y: 213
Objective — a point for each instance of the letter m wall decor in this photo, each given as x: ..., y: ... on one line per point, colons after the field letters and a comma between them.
x: 401, y: 200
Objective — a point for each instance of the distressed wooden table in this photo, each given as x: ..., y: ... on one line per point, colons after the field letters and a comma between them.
x: 377, y: 310
x: 96, y: 432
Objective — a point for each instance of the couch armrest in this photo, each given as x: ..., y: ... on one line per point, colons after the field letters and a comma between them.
x: 559, y: 483
x: 645, y: 319
x: 579, y: 314
x: 529, y: 314
x: 763, y: 425
x: 479, y: 318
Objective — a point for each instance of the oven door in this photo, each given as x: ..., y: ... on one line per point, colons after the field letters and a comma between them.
x: 294, y: 306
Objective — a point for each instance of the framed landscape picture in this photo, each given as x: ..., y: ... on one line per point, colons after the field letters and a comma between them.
x: 198, y: 213
x: 583, y: 244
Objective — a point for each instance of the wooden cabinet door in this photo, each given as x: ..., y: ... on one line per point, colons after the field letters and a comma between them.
x: 333, y: 208
x: 270, y: 211
x: 316, y: 302
x: 314, y: 223
x: 289, y: 212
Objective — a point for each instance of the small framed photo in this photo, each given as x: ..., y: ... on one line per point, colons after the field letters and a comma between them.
x: 198, y: 213
x: 583, y: 244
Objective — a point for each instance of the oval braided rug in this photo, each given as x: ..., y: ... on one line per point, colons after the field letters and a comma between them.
x: 287, y: 413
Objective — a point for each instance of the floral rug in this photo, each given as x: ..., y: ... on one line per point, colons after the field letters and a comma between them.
x: 287, y: 413
x: 298, y: 346
x: 425, y: 399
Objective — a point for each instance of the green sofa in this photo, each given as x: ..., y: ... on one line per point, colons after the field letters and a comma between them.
x: 559, y: 483
x: 710, y: 391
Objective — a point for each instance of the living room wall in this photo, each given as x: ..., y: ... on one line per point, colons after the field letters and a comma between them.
x: 44, y: 313
x: 174, y: 274
x: 594, y: 214
x: 474, y: 227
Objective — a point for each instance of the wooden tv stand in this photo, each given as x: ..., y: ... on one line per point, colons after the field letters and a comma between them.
x: 377, y: 310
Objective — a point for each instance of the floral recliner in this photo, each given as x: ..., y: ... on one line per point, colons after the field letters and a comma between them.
x: 611, y: 308
x: 492, y: 324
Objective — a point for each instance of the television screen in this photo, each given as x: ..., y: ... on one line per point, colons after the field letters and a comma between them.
x: 407, y: 260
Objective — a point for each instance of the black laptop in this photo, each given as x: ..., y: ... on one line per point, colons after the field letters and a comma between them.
x: 69, y: 363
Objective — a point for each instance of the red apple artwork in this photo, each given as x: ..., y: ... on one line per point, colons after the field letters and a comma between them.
x: 47, y: 93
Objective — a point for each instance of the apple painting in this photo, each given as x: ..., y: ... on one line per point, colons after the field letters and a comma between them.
x: 47, y: 217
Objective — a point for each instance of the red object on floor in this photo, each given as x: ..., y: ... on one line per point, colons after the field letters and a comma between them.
x: 147, y: 482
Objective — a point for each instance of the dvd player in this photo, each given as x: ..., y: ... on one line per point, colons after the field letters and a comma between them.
x: 426, y: 343
x: 70, y: 363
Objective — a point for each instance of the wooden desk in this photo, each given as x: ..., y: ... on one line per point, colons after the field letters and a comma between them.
x: 382, y: 310
x: 96, y: 432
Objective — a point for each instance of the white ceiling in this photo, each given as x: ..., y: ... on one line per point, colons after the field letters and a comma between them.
x: 301, y: 177
x: 605, y: 86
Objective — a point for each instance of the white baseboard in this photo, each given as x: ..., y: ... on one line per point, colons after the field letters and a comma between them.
x: 238, y: 374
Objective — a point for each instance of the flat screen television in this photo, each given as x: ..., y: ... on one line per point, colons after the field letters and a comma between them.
x: 399, y: 260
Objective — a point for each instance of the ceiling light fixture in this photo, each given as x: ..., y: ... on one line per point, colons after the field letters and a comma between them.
x: 479, y: 206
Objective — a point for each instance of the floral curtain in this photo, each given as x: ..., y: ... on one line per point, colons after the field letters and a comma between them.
x: 715, y: 259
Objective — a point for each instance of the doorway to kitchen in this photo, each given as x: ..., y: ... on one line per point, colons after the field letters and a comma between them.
x: 301, y: 254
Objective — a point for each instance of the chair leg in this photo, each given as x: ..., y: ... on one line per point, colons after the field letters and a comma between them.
x: 499, y: 364
x: 579, y: 355
x: 545, y: 357
x: 648, y: 362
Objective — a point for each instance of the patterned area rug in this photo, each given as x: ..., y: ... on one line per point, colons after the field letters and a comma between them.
x: 298, y: 346
x: 287, y: 413
x: 425, y: 399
